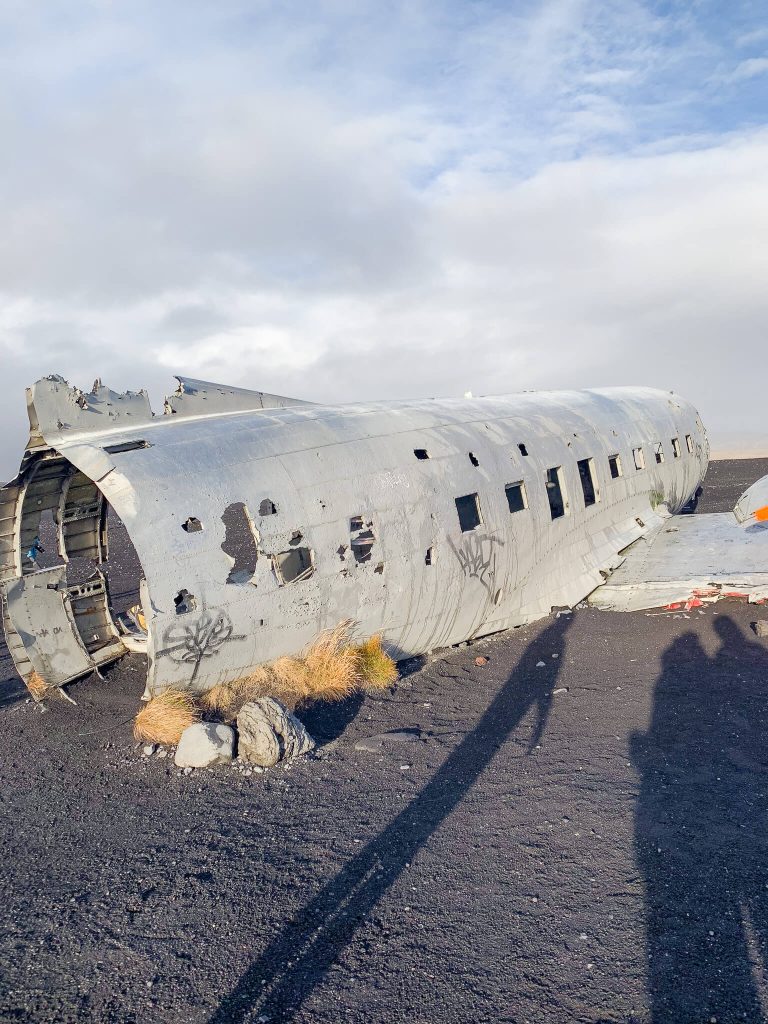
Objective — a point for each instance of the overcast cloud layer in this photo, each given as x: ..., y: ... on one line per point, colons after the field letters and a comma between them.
x: 343, y: 200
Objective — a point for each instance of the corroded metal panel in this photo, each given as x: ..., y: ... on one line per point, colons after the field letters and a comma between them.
x: 40, y: 612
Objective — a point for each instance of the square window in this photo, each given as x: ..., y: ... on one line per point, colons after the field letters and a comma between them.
x: 676, y: 447
x: 588, y: 481
x: 658, y: 452
x: 639, y: 456
x: 517, y: 499
x: 470, y: 517
x: 556, y: 492
x: 523, y: 449
x: 614, y: 464
x: 294, y: 565
x: 421, y: 453
x: 689, y: 443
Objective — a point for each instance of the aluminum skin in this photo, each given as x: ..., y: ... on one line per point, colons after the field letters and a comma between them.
x: 261, y: 520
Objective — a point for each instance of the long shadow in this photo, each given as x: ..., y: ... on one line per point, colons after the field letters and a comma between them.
x: 297, y: 960
x: 700, y: 831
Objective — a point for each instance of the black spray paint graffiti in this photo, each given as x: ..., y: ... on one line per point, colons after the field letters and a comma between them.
x: 477, y: 557
x: 203, y: 638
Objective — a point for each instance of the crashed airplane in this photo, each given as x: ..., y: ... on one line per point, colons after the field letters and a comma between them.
x: 260, y: 521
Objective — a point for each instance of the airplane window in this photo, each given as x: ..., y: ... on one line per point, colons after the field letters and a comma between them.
x: 421, y: 453
x: 523, y: 449
x: 659, y: 453
x: 639, y: 456
x: 468, y: 507
x: 294, y: 565
x: 517, y: 499
x: 588, y: 481
x: 556, y: 492
x: 614, y: 464
x: 689, y: 443
x: 676, y: 447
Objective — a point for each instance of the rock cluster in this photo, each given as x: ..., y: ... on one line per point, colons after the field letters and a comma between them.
x: 267, y: 733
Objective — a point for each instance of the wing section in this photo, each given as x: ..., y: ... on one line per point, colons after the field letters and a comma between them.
x: 696, y: 559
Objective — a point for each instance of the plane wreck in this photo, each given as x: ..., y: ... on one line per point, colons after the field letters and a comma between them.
x: 260, y: 520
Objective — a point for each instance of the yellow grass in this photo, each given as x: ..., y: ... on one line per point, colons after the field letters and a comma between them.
x: 331, y: 668
x: 226, y: 699
x: 165, y: 717
x: 37, y: 686
x: 375, y: 668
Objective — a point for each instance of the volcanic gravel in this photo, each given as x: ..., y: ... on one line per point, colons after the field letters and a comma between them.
x: 579, y: 841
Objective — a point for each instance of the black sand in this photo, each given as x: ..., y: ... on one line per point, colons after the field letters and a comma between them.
x: 580, y: 842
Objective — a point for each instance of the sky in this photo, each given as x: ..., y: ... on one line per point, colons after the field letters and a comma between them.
x: 343, y: 200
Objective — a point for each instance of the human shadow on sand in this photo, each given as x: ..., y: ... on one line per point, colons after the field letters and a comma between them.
x: 700, y: 830
x: 286, y: 973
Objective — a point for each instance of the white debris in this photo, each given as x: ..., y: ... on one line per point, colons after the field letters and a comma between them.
x: 204, y: 744
x: 540, y: 664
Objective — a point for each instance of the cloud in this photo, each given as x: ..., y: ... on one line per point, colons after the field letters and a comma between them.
x: 749, y: 69
x: 392, y: 200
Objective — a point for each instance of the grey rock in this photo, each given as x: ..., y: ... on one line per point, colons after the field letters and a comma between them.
x: 269, y: 732
x: 373, y: 744
x: 148, y: 749
x: 204, y: 744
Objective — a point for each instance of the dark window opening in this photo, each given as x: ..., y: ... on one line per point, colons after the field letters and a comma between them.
x: 192, y: 525
x: 555, y: 492
x: 639, y: 456
x: 473, y: 459
x: 362, y: 544
x: 689, y: 443
x: 523, y: 449
x: 470, y: 517
x: 267, y: 508
x: 125, y: 446
x: 239, y: 543
x: 421, y: 453
x: 659, y: 453
x: 294, y: 565
x: 428, y: 556
x: 185, y: 602
x: 588, y: 482
x: 614, y: 464
x: 356, y: 523
x: 517, y: 499
x: 676, y: 447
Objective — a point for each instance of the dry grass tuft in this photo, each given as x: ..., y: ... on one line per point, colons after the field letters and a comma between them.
x: 226, y: 699
x: 330, y: 665
x: 37, y: 686
x: 331, y: 668
x: 375, y: 668
x: 165, y: 717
